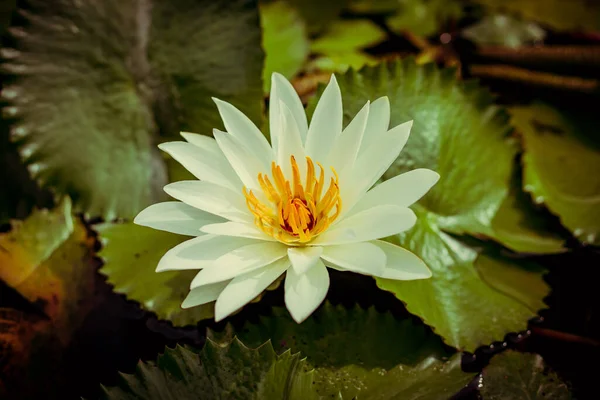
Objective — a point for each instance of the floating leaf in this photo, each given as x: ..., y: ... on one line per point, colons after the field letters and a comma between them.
x: 504, y: 30
x: 131, y: 254
x: 284, y: 39
x: 561, y: 164
x: 343, y: 36
x: 228, y: 371
x: 456, y: 131
x: 95, y: 83
x: 317, y: 13
x: 424, y: 17
x: 513, y: 375
x: 558, y: 14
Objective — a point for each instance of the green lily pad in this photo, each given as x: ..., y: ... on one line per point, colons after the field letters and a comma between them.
x: 343, y: 36
x: 227, y: 371
x: 285, y: 41
x: 89, y: 106
x: 131, y: 254
x: 423, y: 17
x: 513, y: 375
x: 558, y: 14
x: 504, y: 30
x: 568, y: 185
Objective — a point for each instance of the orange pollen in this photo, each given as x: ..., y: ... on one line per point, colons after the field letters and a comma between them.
x: 297, y: 213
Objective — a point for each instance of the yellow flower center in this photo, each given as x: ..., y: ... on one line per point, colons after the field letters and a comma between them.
x: 297, y: 213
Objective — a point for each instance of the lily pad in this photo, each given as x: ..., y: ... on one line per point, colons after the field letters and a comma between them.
x: 504, y: 30
x: 513, y: 375
x: 131, y: 253
x: 227, y: 371
x: 423, y: 17
x: 558, y: 14
x: 343, y: 36
x: 285, y: 40
x: 568, y: 185
x: 317, y: 13
x: 94, y: 84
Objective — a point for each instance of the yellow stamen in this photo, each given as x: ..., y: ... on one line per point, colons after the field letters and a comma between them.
x: 297, y: 213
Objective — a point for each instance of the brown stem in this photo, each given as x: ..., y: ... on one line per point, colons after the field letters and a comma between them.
x: 564, y: 337
x: 587, y: 56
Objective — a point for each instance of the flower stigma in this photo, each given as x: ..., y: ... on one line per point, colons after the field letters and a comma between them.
x: 297, y: 213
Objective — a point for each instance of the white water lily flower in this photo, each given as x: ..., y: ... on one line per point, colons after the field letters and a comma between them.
x: 259, y: 210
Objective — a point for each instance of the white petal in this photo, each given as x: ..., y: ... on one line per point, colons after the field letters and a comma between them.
x: 240, y: 261
x: 283, y: 91
x: 305, y: 292
x: 211, y: 198
x: 402, y: 190
x: 304, y: 258
x: 244, y: 288
x: 372, y: 163
x: 237, y: 229
x: 176, y: 217
x: 374, y: 223
x: 204, y: 294
x: 364, y: 258
x: 239, y: 125
x: 290, y: 144
x: 206, y: 143
x: 402, y: 264
x: 344, y: 152
x: 245, y: 164
x: 378, y: 124
x: 326, y: 123
x: 200, y: 252
x: 203, y: 164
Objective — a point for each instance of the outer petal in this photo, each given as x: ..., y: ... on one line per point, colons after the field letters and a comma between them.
x: 176, y: 217
x: 304, y: 258
x: 364, y: 258
x: 244, y: 130
x: 204, y: 294
x: 240, y: 261
x: 402, y: 190
x: 372, y: 163
x: 282, y: 91
x: 378, y: 124
x: 206, y: 143
x: 246, y: 287
x: 211, y: 198
x: 375, y: 223
x: 200, y: 252
x: 237, y: 229
x: 326, y: 123
x: 401, y: 263
x: 204, y: 165
x: 344, y: 152
x: 305, y: 292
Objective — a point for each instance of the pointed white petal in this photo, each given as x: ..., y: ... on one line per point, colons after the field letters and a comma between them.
x: 240, y: 261
x: 344, y: 152
x: 239, y: 125
x: 237, y: 229
x: 371, y: 224
x: 176, y: 217
x: 200, y: 252
x: 283, y: 91
x: 290, y: 144
x: 211, y: 198
x: 206, y: 143
x: 203, y: 164
x: 402, y: 264
x: 402, y: 190
x: 245, y: 164
x: 204, y: 294
x: 364, y: 258
x: 372, y: 163
x: 305, y: 292
x: 304, y: 258
x: 378, y: 124
x: 326, y: 123
x: 244, y: 288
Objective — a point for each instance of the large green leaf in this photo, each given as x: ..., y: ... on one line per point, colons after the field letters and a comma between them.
x: 131, y: 254
x: 561, y: 164
x: 423, y: 17
x: 219, y: 371
x: 558, y: 14
x: 94, y: 83
x: 284, y: 39
x: 513, y: 375
x: 457, y: 130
